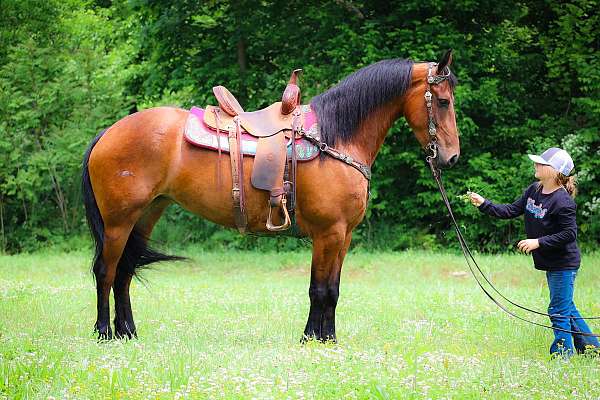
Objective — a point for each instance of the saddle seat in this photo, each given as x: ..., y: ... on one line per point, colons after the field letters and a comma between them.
x: 261, y: 123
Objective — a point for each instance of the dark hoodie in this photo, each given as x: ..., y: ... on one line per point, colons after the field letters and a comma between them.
x: 550, y: 218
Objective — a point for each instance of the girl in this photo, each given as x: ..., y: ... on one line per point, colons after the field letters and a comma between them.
x: 552, y: 240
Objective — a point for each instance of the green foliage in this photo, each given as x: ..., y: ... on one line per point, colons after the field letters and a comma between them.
x: 55, y: 98
x: 528, y: 73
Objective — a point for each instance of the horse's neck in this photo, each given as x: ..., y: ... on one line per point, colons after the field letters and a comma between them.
x: 373, y: 129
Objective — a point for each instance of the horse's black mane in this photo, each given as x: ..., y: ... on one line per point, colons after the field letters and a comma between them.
x: 341, y: 109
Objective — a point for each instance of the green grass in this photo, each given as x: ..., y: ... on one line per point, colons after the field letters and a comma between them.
x: 410, y: 325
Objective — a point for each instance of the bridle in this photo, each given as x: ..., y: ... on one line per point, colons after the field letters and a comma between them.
x: 432, y: 150
x: 432, y: 146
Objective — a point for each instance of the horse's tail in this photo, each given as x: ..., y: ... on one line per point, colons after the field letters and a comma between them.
x: 137, y: 253
x: 92, y: 213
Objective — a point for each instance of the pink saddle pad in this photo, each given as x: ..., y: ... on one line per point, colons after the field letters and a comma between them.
x: 199, y: 134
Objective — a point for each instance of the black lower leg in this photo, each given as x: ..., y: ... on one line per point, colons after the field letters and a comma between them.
x: 102, y: 326
x: 328, y: 320
x: 318, y: 295
x: 124, y: 325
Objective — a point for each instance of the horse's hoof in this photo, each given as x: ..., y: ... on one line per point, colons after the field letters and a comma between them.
x: 331, y: 339
x: 125, y: 334
x: 318, y: 338
x: 309, y: 337
x: 104, y: 332
x: 305, y: 339
x: 123, y: 330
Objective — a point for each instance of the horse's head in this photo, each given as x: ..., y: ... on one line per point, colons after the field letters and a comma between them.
x: 429, y: 110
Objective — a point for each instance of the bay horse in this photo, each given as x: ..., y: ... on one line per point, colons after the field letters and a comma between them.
x: 139, y: 166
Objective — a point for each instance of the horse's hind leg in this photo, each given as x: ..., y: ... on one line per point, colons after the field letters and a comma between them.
x: 124, y: 323
x: 115, y: 239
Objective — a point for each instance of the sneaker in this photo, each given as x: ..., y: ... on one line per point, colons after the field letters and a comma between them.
x: 563, y: 356
x: 589, y: 351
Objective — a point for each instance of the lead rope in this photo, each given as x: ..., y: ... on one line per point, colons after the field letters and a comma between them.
x: 432, y: 147
x: 465, y: 249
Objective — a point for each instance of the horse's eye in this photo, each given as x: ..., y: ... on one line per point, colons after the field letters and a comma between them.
x: 443, y: 103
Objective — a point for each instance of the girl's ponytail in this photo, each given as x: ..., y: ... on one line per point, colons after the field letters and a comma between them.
x: 568, y: 182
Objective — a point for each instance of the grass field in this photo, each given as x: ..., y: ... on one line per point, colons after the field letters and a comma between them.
x: 410, y: 325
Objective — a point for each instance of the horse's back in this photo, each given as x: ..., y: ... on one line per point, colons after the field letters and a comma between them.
x: 139, y: 135
x: 143, y: 126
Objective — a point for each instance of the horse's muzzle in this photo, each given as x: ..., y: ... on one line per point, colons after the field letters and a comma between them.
x: 443, y: 162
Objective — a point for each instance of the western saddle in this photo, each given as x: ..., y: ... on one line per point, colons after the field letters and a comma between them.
x: 275, y: 126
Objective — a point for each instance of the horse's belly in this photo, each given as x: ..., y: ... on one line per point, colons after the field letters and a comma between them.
x: 203, y: 186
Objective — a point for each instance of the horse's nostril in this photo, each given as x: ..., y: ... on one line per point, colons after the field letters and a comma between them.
x: 453, y: 160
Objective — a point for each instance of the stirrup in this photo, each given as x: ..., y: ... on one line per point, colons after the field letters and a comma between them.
x: 286, y: 224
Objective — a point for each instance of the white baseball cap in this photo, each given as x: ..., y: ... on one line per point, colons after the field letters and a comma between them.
x: 557, y: 158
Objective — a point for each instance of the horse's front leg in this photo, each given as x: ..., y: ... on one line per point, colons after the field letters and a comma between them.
x: 333, y: 290
x: 329, y: 249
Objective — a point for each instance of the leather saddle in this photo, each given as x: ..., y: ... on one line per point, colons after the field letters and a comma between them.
x: 273, y: 126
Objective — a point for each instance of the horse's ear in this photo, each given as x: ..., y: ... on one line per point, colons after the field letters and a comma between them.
x: 444, y: 62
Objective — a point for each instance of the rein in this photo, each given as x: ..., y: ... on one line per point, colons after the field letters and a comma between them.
x: 469, y: 257
x: 437, y: 175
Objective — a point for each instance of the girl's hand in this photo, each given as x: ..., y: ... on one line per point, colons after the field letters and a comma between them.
x: 476, y: 199
x: 528, y: 245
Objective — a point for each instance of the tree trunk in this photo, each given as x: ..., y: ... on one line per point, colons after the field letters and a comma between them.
x: 2, y: 236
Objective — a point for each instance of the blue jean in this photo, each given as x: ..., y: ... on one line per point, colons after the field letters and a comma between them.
x: 562, y: 285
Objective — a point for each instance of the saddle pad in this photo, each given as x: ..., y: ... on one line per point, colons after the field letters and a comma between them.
x: 197, y: 133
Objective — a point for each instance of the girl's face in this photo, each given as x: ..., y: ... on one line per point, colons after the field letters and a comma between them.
x: 544, y: 172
